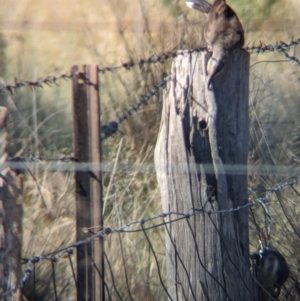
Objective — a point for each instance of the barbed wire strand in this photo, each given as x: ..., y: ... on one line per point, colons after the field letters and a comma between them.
x: 53, y: 79
x: 276, y: 47
x: 292, y: 58
x: 112, y: 127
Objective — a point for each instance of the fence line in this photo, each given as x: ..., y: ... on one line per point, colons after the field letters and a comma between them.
x: 111, y: 128
x: 277, y: 46
x: 62, y: 253
x: 49, y: 80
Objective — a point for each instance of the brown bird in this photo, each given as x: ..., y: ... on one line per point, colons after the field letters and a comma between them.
x: 223, y: 33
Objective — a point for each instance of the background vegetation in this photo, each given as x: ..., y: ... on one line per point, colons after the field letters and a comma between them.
x: 40, y: 38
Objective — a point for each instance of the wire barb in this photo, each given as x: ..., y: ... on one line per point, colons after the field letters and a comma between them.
x: 281, y: 47
x: 164, y: 56
x: 112, y: 127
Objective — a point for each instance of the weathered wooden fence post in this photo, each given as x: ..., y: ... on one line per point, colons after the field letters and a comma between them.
x: 87, y: 149
x: 200, y: 160
x: 11, y: 190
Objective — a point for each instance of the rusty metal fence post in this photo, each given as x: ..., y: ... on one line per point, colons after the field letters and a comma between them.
x: 87, y: 149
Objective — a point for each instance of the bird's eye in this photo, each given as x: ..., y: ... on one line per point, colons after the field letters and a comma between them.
x: 229, y: 13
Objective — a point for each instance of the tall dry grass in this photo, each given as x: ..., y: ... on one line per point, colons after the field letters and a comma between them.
x: 42, y: 38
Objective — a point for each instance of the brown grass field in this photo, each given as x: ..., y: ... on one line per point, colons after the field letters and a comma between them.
x: 40, y: 38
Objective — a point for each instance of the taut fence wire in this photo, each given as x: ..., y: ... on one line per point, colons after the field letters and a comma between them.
x: 281, y: 47
x: 112, y: 127
x: 141, y: 225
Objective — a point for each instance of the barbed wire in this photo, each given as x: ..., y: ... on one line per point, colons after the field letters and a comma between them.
x: 292, y: 58
x: 160, y: 58
x: 280, y: 47
x: 277, y: 46
x: 48, y: 80
x: 61, y: 253
x: 112, y: 127
x: 53, y: 79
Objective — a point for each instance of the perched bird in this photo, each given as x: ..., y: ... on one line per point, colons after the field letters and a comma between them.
x: 272, y: 270
x: 223, y: 33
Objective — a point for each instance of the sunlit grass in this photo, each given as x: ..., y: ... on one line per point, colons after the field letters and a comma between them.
x: 42, y: 38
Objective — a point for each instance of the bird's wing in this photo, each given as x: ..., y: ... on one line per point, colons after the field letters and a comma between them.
x: 201, y: 5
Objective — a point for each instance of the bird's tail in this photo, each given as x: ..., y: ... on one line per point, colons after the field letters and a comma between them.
x: 201, y: 5
x: 215, y: 64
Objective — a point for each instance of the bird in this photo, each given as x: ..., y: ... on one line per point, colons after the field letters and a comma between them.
x: 272, y: 270
x: 223, y: 33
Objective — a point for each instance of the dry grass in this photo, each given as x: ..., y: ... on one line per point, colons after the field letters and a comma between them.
x: 41, y: 38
